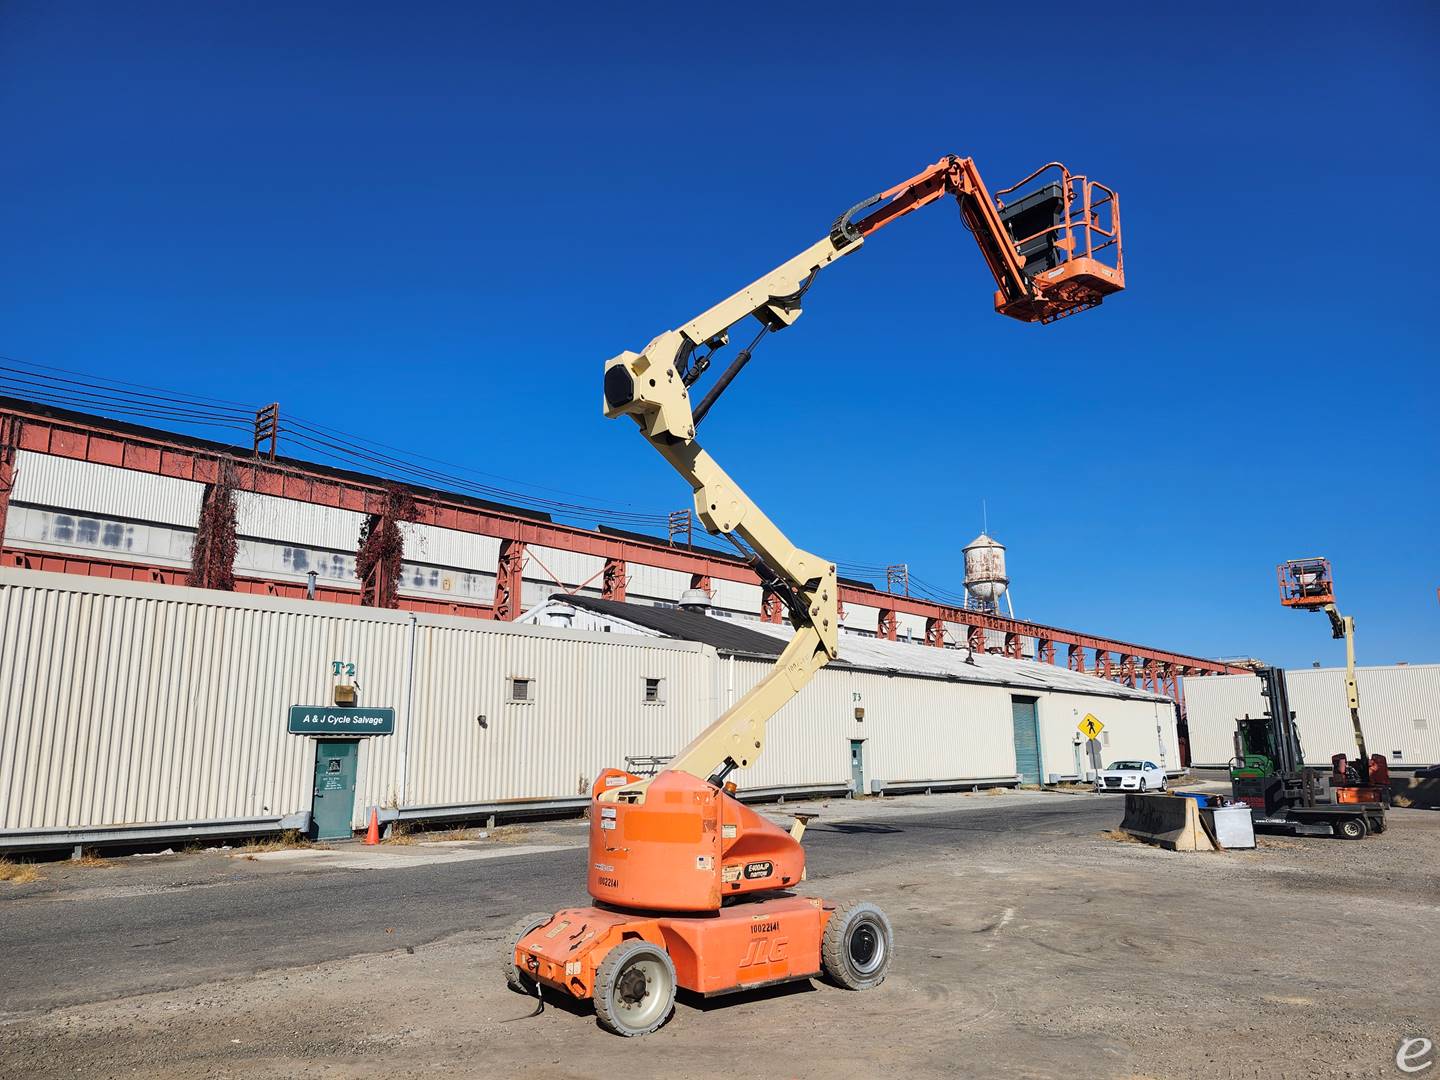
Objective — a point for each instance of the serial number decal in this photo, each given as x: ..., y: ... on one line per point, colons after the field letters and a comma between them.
x: 759, y: 869
x: 765, y: 927
x: 610, y: 882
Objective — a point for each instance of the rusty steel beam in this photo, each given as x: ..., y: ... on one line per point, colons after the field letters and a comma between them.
x: 9, y: 438
x: 160, y: 453
x: 613, y: 587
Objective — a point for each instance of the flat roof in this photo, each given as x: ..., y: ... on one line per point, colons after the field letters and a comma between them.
x: 765, y: 641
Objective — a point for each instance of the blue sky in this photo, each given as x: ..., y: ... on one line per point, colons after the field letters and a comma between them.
x: 433, y: 223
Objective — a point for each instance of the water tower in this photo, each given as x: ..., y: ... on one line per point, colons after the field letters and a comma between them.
x: 985, y: 580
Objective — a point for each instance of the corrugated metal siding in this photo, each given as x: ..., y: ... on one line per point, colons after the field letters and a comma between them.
x: 95, y: 534
x: 123, y: 703
x: 656, y: 583
x: 913, y: 624
x: 1392, y: 699
x: 105, y: 490
x: 861, y: 617
x: 438, y: 546
x: 914, y: 729
x: 1135, y: 729
x: 269, y: 517
x: 546, y: 564
x: 129, y: 703
x: 588, y: 712
x: 735, y: 595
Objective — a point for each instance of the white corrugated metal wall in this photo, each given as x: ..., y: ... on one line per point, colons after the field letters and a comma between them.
x: 587, y: 710
x: 1133, y: 729
x: 129, y: 703
x: 1399, y: 710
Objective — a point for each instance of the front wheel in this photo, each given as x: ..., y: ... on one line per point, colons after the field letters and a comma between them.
x: 855, y: 951
x: 1351, y: 828
x: 634, y: 988
x: 1143, y: 788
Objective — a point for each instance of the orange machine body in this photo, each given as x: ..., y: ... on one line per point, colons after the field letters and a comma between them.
x: 693, y: 869
x: 687, y: 847
x: 739, y: 947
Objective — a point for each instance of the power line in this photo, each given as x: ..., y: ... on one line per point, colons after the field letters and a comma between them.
x: 52, y: 385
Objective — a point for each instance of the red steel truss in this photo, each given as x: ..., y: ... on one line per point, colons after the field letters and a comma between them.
x: 94, y: 439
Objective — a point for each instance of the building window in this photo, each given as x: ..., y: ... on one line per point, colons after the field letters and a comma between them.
x: 522, y: 690
x: 654, y: 691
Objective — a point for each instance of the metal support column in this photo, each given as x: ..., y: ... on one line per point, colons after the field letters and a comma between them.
x: 508, y: 580
x: 613, y: 586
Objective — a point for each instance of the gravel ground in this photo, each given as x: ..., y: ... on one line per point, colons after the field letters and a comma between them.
x: 1047, y: 951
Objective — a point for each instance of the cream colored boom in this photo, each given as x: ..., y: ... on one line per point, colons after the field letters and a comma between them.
x: 647, y: 387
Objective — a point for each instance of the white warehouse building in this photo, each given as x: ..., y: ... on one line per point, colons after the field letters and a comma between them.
x: 1399, y: 713
x: 133, y: 711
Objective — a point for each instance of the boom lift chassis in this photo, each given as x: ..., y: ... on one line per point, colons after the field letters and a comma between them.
x: 692, y: 888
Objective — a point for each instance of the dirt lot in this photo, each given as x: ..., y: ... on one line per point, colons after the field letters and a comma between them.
x: 1035, y: 951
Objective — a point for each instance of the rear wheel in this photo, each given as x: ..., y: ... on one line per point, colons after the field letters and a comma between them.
x: 855, y: 950
x: 1351, y: 828
x: 516, y: 979
x: 634, y: 988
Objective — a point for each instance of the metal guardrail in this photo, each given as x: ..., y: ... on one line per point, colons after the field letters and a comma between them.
x: 797, y: 791
x: 158, y: 832
x: 503, y: 808
x: 912, y: 787
x: 179, y: 832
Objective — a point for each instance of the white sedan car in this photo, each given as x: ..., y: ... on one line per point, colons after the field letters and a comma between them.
x: 1131, y: 776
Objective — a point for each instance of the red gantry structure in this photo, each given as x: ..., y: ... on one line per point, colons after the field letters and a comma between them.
x: 521, y: 534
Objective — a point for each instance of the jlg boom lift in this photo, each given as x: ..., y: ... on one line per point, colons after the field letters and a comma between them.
x: 691, y: 887
x: 1268, y: 770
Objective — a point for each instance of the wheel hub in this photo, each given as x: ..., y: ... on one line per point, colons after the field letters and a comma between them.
x: 632, y: 987
x: 867, y: 948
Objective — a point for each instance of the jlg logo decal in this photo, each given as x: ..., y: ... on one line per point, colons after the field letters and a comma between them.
x: 765, y: 950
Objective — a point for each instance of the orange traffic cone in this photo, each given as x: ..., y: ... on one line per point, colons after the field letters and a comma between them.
x: 372, y: 834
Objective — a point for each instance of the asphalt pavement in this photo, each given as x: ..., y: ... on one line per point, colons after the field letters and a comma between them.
x: 88, y: 934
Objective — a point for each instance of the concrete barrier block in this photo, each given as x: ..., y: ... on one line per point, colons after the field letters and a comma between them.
x: 1168, y: 821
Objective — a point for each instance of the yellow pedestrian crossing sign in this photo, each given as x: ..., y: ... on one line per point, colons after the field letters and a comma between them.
x: 1091, y: 726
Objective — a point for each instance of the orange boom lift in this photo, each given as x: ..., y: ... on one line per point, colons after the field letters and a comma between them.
x: 692, y: 888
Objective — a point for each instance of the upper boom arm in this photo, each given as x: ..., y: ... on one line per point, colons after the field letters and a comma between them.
x: 1049, y: 272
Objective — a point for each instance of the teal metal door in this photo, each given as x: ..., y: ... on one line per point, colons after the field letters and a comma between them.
x: 857, y: 766
x: 1026, y: 722
x: 333, y: 804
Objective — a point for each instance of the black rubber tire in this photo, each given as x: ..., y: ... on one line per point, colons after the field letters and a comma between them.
x: 1352, y: 828
x: 516, y: 979
x: 1143, y: 788
x: 621, y: 962
x: 857, y: 946
x: 1377, y: 826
